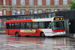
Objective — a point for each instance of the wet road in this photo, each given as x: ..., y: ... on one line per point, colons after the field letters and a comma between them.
x: 36, y: 43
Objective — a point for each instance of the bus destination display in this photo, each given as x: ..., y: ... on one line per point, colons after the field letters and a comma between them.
x: 58, y: 18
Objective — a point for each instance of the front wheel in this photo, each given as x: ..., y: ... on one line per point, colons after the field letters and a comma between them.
x: 42, y: 34
x: 17, y: 34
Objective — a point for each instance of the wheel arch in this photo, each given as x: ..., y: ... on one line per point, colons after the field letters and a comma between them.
x: 16, y: 32
x: 41, y: 33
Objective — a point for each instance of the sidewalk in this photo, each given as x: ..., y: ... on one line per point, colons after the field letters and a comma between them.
x: 72, y: 36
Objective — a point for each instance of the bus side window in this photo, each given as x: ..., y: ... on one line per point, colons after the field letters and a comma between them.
x: 13, y: 25
x: 28, y: 25
x: 17, y: 25
x: 10, y: 26
x: 47, y: 24
x: 23, y: 25
x: 7, y: 25
x: 41, y: 25
x: 35, y: 25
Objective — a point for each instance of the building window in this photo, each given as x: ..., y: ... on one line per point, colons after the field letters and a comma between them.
x: 64, y: 2
x: 40, y: 11
x: 4, y: 12
x: 47, y: 10
x: 22, y: 2
x: 56, y: 2
x: 22, y: 12
x: 4, y: 2
x: 47, y: 2
x: 13, y: 12
x: 56, y: 9
x: 31, y: 11
x: 30, y: 2
x: 39, y: 2
x: 13, y: 2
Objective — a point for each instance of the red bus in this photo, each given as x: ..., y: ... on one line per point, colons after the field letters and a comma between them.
x: 36, y: 27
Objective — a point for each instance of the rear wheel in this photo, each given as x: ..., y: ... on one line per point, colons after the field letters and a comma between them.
x: 42, y: 34
x: 17, y: 34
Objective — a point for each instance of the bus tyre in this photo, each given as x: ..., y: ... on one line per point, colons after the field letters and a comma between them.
x: 42, y: 34
x: 17, y: 34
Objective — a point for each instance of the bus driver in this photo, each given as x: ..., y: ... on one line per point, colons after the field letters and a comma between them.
x: 49, y: 26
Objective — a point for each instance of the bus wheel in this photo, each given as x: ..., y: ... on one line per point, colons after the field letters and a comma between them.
x: 17, y: 34
x: 42, y: 34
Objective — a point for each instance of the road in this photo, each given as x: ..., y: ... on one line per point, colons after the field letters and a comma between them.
x: 36, y: 43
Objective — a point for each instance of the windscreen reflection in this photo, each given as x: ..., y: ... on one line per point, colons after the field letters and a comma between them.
x: 58, y: 25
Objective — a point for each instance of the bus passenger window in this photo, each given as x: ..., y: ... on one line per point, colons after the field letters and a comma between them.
x: 41, y: 24
x: 35, y: 25
x: 23, y: 25
x: 7, y: 25
x: 13, y: 25
x: 17, y: 25
x: 28, y: 25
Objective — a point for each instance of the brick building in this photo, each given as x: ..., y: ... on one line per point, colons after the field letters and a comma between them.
x: 12, y: 7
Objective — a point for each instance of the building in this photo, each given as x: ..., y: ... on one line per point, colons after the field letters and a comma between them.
x: 22, y: 7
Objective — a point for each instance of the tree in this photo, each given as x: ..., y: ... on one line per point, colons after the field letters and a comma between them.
x: 72, y: 4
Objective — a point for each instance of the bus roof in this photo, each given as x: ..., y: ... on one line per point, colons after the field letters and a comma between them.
x: 30, y: 20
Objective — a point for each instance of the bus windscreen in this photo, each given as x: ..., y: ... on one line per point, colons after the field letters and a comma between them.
x: 58, y: 25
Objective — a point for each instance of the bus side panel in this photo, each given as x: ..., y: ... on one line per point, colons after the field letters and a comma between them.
x: 30, y: 32
x: 15, y: 30
x: 36, y: 32
x: 47, y: 32
x: 11, y: 31
x: 7, y: 31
